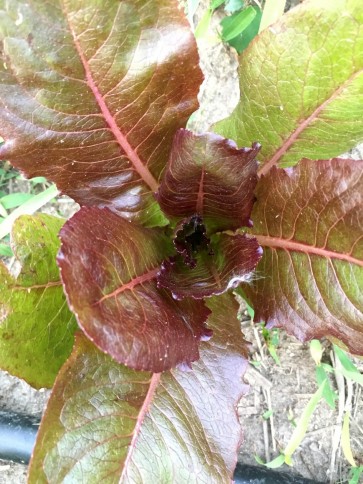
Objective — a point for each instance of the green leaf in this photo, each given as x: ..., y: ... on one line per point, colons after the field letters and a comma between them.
x: 241, y: 42
x: 271, y: 336
x: 108, y: 423
x: 290, y: 101
x: 215, y: 4
x: 303, y: 422
x: 277, y: 462
x: 5, y: 250
x: 203, y: 25
x: 27, y: 208
x: 355, y: 475
x: 266, y: 415
x: 272, y: 11
x: 36, y: 334
x: 329, y: 394
x: 272, y: 350
x: 273, y: 464
x: 3, y: 212
x: 38, y: 180
x: 327, y: 367
x: 13, y: 200
x: 348, y: 369
x: 250, y: 311
x: 237, y: 23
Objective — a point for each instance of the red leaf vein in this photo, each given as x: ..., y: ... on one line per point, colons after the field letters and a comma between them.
x: 290, y: 245
x: 154, y: 383
x: 303, y: 125
x: 131, y: 284
x: 139, y: 166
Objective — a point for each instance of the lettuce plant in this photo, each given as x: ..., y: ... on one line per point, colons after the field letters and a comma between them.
x: 95, y: 96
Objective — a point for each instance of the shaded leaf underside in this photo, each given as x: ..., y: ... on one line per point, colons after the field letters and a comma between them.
x: 309, y: 221
x: 36, y: 330
x: 302, y: 85
x: 174, y: 427
x: 109, y: 268
x: 207, y: 175
x: 92, y: 94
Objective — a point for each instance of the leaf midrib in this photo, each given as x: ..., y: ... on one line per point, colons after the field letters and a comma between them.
x: 154, y: 383
x: 293, y: 246
x: 121, y: 139
x: 146, y: 277
x: 303, y: 124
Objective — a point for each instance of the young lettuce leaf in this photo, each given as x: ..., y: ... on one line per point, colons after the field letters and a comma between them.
x: 209, y: 176
x: 302, y: 85
x: 309, y: 221
x: 228, y: 261
x: 107, y: 423
x: 36, y: 331
x: 109, y: 268
x: 91, y: 94
x: 208, y: 186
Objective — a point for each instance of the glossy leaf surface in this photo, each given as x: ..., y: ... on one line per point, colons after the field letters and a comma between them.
x: 109, y: 268
x: 92, y: 94
x: 36, y: 330
x: 309, y: 221
x: 207, y: 175
x: 301, y: 85
x: 224, y: 265
x: 171, y: 427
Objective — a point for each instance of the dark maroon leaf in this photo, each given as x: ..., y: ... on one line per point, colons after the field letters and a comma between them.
x: 91, y: 94
x: 109, y: 268
x: 209, y: 176
x: 110, y: 424
x: 190, y: 237
x: 309, y: 220
x: 224, y: 265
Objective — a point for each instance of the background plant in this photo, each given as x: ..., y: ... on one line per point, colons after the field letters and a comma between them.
x: 283, y: 112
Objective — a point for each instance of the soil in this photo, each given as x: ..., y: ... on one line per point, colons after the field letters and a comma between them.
x: 285, y: 389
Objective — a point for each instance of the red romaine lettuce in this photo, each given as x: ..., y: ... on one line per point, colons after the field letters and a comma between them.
x: 120, y: 277
x: 95, y: 96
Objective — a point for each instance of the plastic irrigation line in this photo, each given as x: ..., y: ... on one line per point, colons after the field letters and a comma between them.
x: 18, y: 433
x: 246, y: 474
x: 17, y: 436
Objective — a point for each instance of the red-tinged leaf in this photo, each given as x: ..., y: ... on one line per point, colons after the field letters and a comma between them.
x: 190, y: 237
x: 107, y: 423
x: 309, y: 220
x: 228, y: 261
x: 209, y: 176
x: 109, y: 268
x: 91, y: 94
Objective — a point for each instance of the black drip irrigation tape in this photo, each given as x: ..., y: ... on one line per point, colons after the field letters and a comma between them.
x: 17, y: 436
x: 246, y: 474
x: 18, y: 433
